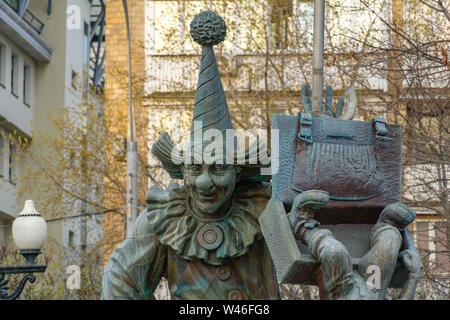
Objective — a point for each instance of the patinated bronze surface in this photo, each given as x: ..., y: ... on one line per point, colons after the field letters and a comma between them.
x: 203, y: 237
x: 360, y: 169
x: 336, y: 277
x: 338, y: 179
x: 234, y: 265
x: 358, y: 166
x: 348, y: 159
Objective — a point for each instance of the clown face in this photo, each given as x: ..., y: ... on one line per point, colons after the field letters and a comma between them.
x: 210, y: 187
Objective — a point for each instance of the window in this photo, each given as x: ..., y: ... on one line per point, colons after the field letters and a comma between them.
x: 86, y: 45
x: 71, y: 238
x: 14, y: 74
x: 431, y: 240
x: 421, y: 234
x: 426, y: 132
x: 280, y: 16
x: 304, y: 23
x: 442, y: 255
x: 2, y: 155
x: 74, y: 79
x: 26, y: 84
x: 2, y: 65
x: 12, y: 162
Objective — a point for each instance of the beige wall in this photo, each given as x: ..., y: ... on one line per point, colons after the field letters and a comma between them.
x: 50, y: 77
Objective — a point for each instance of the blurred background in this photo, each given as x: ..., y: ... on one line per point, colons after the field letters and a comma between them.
x: 64, y: 109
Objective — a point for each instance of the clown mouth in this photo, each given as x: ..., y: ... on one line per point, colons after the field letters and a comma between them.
x: 206, y: 196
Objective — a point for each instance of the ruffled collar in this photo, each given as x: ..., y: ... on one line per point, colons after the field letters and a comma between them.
x: 177, y: 227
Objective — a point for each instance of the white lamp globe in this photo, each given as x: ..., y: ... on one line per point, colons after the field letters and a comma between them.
x: 29, y: 228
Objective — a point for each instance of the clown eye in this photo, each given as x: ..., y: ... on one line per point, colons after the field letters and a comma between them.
x: 195, y: 169
x: 218, y: 169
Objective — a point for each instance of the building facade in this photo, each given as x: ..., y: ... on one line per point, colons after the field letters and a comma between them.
x: 47, y: 50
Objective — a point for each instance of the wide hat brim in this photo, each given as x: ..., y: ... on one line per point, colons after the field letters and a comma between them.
x: 250, y: 161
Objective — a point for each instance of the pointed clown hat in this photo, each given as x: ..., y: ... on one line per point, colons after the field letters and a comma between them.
x: 210, y: 110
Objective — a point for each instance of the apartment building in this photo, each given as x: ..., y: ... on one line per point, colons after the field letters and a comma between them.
x: 46, y: 47
x: 21, y: 48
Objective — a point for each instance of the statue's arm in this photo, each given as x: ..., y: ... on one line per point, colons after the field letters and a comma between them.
x: 136, y: 266
x: 411, y: 260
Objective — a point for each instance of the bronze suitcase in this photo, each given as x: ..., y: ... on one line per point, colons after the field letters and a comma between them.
x: 357, y: 162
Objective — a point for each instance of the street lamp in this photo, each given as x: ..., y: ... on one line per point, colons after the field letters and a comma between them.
x: 29, y: 233
x: 132, y: 165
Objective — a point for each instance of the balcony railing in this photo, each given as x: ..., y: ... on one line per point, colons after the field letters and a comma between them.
x: 178, y: 73
x: 13, y: 4
x: 97, y: 44
x: 28, y: 16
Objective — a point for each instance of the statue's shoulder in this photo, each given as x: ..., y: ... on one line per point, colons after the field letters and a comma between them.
x: 157, y: 201
x: 161, y: 197
x: 253, y: 197
x: 143, y: 225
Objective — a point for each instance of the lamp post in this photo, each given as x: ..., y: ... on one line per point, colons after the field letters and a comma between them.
x: 29, y: 234
x: 132, y: 165
x: 317, y: 83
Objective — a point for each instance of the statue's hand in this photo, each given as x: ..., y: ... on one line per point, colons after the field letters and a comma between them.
x: 411, y: 261
x: 302, y: 212
x: 398, y: 215
x: 307, y: 201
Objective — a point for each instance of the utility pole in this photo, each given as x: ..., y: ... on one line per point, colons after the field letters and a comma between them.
x: 132, y: 168
x: 317, y: 67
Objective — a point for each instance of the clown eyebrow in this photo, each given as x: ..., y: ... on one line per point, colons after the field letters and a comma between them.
x: 220, y: 164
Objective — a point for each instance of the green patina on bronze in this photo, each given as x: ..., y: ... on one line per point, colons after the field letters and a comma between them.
x: 203, y: 237
x: 165, y: 244
x: 206, y: 237
x: 335, y: 219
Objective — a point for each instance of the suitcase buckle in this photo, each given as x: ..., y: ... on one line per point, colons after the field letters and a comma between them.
x: 381, y: 131
x: 305, y: 133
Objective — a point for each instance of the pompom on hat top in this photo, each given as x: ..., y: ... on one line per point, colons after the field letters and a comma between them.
x: 210, y: 108
x: 208, y: 29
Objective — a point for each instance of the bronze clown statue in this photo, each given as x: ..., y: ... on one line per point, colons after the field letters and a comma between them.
x: 204, y: 236
x: 332, y: 216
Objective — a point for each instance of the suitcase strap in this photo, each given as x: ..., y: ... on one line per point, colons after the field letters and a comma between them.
x: 305, y: 133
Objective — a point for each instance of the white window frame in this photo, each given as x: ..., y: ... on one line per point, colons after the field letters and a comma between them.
x: 12, y: 162
x: 2, y: 155
x: 3, y: 65
x: 86, y: 45
x: 26, y: 90
x: 14, y: 74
